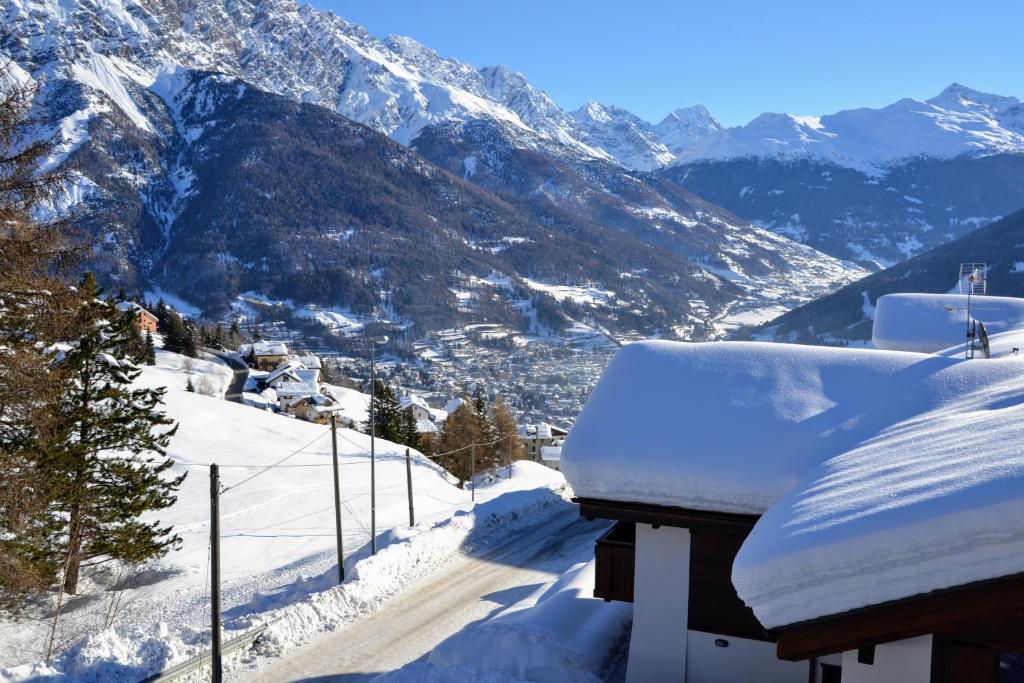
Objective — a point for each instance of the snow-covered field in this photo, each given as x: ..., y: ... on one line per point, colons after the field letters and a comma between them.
x: 278, y: 537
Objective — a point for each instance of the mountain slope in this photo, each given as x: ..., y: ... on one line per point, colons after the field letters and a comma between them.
x: 845, y: 315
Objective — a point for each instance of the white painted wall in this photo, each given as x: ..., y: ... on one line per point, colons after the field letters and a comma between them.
x: 742, y: 660
x: 661, y: 594
x: 904, y: 661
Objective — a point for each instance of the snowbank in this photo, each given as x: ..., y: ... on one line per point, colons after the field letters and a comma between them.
x: 931, y: 322
x: 277, y: 533
x: 558, y: 633
x: 730, y: 426
x: 934, y: 500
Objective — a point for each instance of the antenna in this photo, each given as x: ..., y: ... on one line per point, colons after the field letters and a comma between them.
x: 973, y: 280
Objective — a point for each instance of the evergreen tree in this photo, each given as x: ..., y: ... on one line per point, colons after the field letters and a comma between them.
x: 189, y: 387
x: 408, y: 433
x: 109, y: 465
x: 149, y: 350
x: 386, y: 415
x: 487, y: 452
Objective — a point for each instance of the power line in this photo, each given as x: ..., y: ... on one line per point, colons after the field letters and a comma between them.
x: 276, y: 464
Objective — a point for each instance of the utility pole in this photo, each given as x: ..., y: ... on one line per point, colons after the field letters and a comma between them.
x: 215, y: 572
x: 510, y: 437
x: 337, y: 500
x: 472, y: 470
x: 373, y: 474
x: 408, y: 481
x: 381, y: 339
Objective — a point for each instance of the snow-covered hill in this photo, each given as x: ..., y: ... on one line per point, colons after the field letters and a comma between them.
x: 277, y: 533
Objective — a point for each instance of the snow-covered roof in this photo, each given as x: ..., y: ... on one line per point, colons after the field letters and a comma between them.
x: 934, y: 500
x: 310, y: 362
x: 412, y: 400
x: 541, y: 430
x: 125, y: 306
x: 453, y: 405
x: 426, y: 427
x: 932, y: 322
x: 288, y: 369
x: 730, y: 426
x: 289, y: 389
x: 267, y: 348
x: 438, y: 415
x: 550, y: 452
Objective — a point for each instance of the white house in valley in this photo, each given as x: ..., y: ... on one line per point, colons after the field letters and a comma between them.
x: 811, y: 513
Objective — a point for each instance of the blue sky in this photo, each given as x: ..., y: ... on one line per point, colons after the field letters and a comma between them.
x: 739, y: 58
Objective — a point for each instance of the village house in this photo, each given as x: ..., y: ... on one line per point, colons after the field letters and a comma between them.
x: 551, y: 456
x: 264, y: 355
x: 316, y: 408
x: 417, y: 406
x: 143, y: 319
x: 813, y: 514
x: 290, y: 393
x: 536, y: 436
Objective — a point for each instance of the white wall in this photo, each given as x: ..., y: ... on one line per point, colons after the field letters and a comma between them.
x: 904, y: 661
x: 742, y: 660
x: 661, y: 594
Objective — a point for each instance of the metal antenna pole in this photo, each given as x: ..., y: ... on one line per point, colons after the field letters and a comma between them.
x: 215, y: 650
x: 337, y: 500
x: 373, y: 475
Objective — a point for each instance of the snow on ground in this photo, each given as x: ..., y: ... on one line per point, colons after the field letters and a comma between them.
x: 931, y: 322
x: 559, y: 632
x: 278, y: 539
x: 577, y: 295
x: 183, y: 307
x: 355, y: 404
x: 798, y: 405
x: 930, y: 502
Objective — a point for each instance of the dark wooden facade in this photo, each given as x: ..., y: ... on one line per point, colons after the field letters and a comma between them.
x: 715, y: 539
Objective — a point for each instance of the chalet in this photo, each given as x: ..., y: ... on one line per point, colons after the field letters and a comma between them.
x: 551, y: 456
x: 810, y: 514
x: 143, y: 319
x: 286, y: 372
x: 536, y: 437
x: 264, y: 355
x: 289, y: 393
x: 417, y: 406
x: 315, y: 408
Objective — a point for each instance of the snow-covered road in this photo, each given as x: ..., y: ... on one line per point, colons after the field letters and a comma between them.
x: 449, y: 600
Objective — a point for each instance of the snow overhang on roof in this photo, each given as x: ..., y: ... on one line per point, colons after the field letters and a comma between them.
x: 931, y: 322
x: 932, y: 501
x: 729, y: 426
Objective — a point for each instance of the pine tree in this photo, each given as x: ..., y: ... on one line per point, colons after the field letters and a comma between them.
x: 387, y: 417
x: 408, y: 433
x: 189, y: 387
x: 110, y: 463
x: 487, y: 452
x: 149, y: 350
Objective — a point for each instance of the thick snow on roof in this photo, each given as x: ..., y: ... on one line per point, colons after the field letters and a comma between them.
x: 730, y: 426
x: 931, y: 322
x: 933, y: 501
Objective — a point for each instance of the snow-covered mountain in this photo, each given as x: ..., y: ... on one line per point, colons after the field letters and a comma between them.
x: 958, y: 121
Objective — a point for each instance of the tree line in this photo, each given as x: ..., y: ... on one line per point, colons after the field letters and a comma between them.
x: 82, y: 450
x: 476, y: 437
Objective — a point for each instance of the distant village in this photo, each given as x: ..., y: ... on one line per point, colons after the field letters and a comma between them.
x: 293, y: 384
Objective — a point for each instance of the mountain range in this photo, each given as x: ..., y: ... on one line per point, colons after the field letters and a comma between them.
x: 684, y: 222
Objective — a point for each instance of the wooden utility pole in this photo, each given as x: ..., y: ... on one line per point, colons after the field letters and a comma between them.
x: 337, y: 500
x: 472, y: 470
x: 215, y: 661
x: 408, y: 481
x: 510, y: 455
